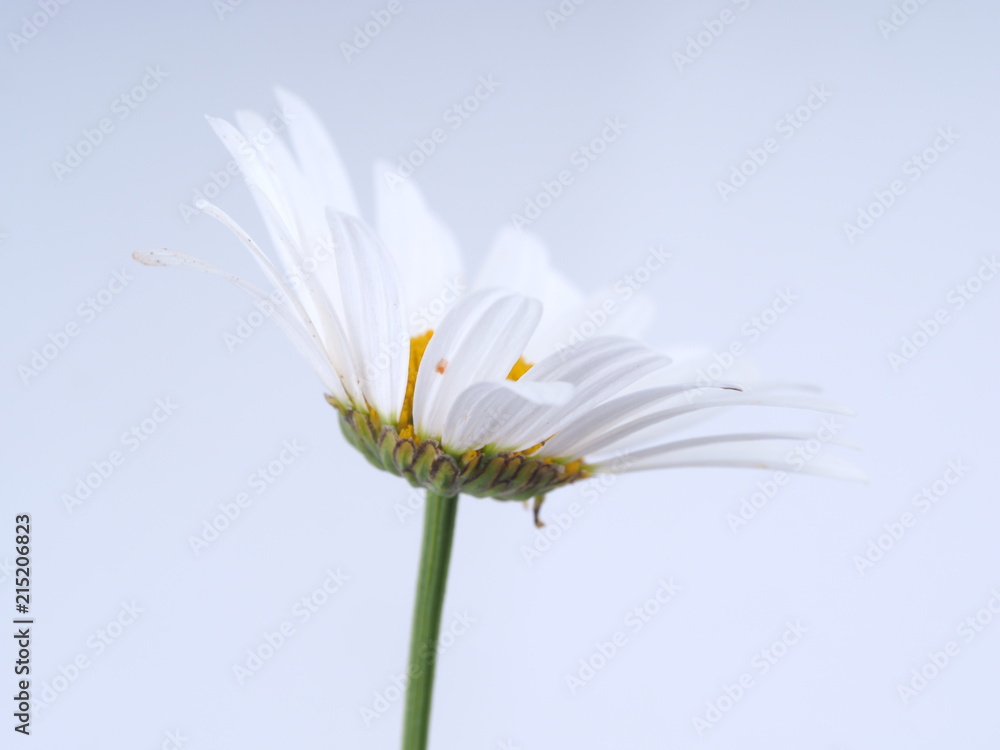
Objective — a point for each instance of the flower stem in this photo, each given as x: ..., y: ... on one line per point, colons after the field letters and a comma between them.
x: 439, y: 530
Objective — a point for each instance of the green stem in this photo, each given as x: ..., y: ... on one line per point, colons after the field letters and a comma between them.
x: 439, y: 530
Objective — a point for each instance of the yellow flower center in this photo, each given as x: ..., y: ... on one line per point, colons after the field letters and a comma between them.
x: 519, y: 369
x: 424, y: 462
x: 418, y: 345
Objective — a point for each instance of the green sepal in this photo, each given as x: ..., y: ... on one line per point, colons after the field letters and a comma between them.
x: 486, y: 479
x: 522, y: 479
x: 349, y: 426
x: 402, y: 455
x: 387, y: 447
x: 444, y: 476
x: 427, y: 464
x: 423, y: 461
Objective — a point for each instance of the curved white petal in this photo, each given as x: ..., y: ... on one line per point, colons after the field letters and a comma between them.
x: 574, y: 434
x: 754, y: 451
x: 599, y: 371
x: 609, y: 438
x: 484, y: 410
x: 520, y: 261
x: 702, y: 365
x: 256, y: 174
x: 573, y: 364
x: 480, y: 340
x: 305, y: 208
x: 265, y: 264
x: 373, y: 312
x: 322, y: 167
x: 612, y: 311
x: 310, y: 302
x: 573, y: 367
x: 293, y: 211
x: 304, y: 339
x: 424, y: 249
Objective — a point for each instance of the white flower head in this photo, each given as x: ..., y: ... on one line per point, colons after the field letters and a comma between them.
x: 463, y: 387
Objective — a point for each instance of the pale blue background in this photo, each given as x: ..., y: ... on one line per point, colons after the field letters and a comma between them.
x: 503, y: 684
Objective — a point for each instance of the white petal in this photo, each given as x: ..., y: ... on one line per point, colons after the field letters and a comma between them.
x: 608, y: 439
x: 597, y: 378
x: 373, y: 311
x: 288, y: 210
x: 256, y: 174
x: 425, y: 250
x: 304, y: 206
x: 302, y: 233
x: 630, y: 316
x: 758, y: 451
x: 265, y: 264
x: 698, y: 364
x: 480, y: 340
x: 305, y: 340
x: 573, y: 364
x: 599, y: 420
x: 308, y: 302
x: 483, y: 410
x: 520, y: 261
x: 318, y: 157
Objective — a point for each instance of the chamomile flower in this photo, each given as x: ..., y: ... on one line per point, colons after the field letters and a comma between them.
x: 461, y: 388
x: 462, y: 391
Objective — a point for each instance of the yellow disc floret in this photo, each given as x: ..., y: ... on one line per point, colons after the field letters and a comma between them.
x: 418, y: 345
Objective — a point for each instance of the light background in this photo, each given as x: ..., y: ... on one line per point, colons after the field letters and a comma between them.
x: 503, y: 683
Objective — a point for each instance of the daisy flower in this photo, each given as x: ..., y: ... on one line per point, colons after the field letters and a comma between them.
x: 462, y: 391
x: 462, y: 388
